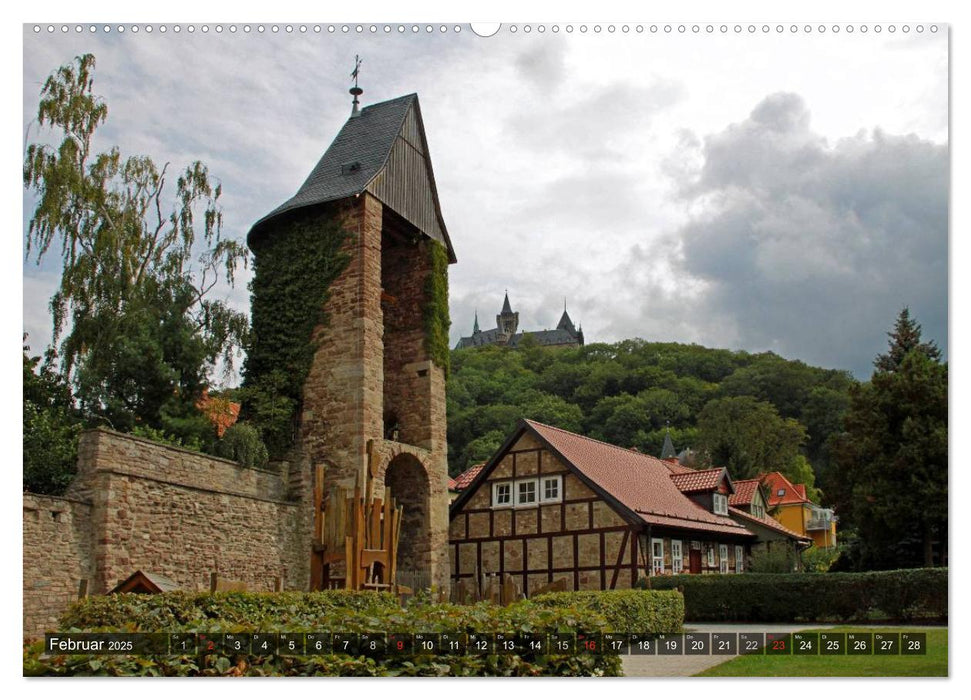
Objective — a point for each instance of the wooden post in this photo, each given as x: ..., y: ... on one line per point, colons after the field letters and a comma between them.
x: 83, y: 589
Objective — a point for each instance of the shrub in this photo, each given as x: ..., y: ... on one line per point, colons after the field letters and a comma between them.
x: 242, y: 443
x: 635, y: 611
x: 182, y: 610
x: 161, y: 436
x: 325, y: 611
x: 781, y: 560
x: 819, y: 559
x: 895, y: 595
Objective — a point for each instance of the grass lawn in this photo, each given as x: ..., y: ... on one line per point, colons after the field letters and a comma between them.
x: 934, y: 663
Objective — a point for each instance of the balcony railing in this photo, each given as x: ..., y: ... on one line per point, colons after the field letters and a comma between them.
x: 821, y: 520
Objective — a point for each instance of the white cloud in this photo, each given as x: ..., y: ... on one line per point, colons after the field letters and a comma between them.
x: 596, y: 167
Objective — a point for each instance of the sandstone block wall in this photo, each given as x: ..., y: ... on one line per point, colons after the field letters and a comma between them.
x: 57, y: 538
x: 343, y: 392
x: 372, y: 383
x: 136, y: 504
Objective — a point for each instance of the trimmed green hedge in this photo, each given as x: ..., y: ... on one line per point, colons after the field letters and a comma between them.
x: 326, y: 611
x: 182, y: 611
x: 903, y: 595
x: 634, y: 611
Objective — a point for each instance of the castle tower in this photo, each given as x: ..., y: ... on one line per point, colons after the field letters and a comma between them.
x: 507, y: 321
x: 373, y: 402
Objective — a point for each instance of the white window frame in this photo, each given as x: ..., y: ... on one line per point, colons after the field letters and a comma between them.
x: 739, y: 559
x: 720, y: 504
x: 711, y: 556
x: 495, y: 494
x: 723, y: 558
x: 677, y: 557
x: 518, y: 490
x: 657, y: 562
x: 559, y: 489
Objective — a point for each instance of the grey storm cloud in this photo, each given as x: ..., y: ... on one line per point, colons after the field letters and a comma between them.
x: 810, y: 250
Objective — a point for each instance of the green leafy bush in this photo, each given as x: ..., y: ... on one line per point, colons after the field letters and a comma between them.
x: 820, y: 559
x: 903, y: 595
x: 779, y: 560
x: 325, y: 611
x: 635, y: 611
x: 242, y: 443
x: 157, y: 435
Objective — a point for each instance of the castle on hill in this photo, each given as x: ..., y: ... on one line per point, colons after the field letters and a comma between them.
x: 506, y: 332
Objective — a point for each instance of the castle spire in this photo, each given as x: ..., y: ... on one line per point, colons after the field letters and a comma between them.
x: 506, y: 308
x: 475, y: 326
x: 566, y: 323
x: 356, y: 91
x: 667, y: 450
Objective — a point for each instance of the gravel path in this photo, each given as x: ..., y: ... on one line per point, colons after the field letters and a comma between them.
x: 688, y: 665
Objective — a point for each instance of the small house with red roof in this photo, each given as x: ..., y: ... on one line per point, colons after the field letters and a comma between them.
x: 748, y: 507
x: 789, y: 504
x: 553, y: 505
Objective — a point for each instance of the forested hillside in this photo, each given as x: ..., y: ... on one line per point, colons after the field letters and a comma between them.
x: 748, y: 412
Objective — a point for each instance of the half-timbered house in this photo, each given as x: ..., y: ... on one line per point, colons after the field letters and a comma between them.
x: 554, y: 505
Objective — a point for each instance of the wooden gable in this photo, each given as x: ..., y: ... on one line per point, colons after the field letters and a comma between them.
x: 406, y: 183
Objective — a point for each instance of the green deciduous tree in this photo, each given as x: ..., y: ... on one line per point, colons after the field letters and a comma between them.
x: 134, y: 315
x: 749, y: 437
x: 892, y: 461
x: 51, y: 428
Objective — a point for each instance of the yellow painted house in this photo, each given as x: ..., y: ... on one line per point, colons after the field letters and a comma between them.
x: 789, y: 505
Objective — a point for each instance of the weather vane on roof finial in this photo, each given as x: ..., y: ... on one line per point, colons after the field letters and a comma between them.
x: 356, y: 91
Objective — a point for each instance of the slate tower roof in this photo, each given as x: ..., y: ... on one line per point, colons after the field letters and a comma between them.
x: 376, y: 151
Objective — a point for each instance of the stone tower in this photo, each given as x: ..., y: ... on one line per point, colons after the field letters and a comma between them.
x: 374, y: 399
x: 507, y: 321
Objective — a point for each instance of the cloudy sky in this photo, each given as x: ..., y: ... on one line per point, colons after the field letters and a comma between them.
x: 758, y: 191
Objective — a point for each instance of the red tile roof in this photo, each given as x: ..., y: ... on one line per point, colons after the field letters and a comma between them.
x: 768, y: 522
x: 462, y: 481
x: 694, y: 481
x: 744, y: 492
x: 640, y: 482
x: 782, y: 491
x: 675, y: 467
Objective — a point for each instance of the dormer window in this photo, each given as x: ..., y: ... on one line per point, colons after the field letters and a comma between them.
x: 721, y: 504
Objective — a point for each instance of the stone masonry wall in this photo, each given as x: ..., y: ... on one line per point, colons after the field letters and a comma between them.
x: 343, y: 393
x: 414, y: 393
x: 57, y: 539
x: 136, y: 504
x: 405, y: 269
